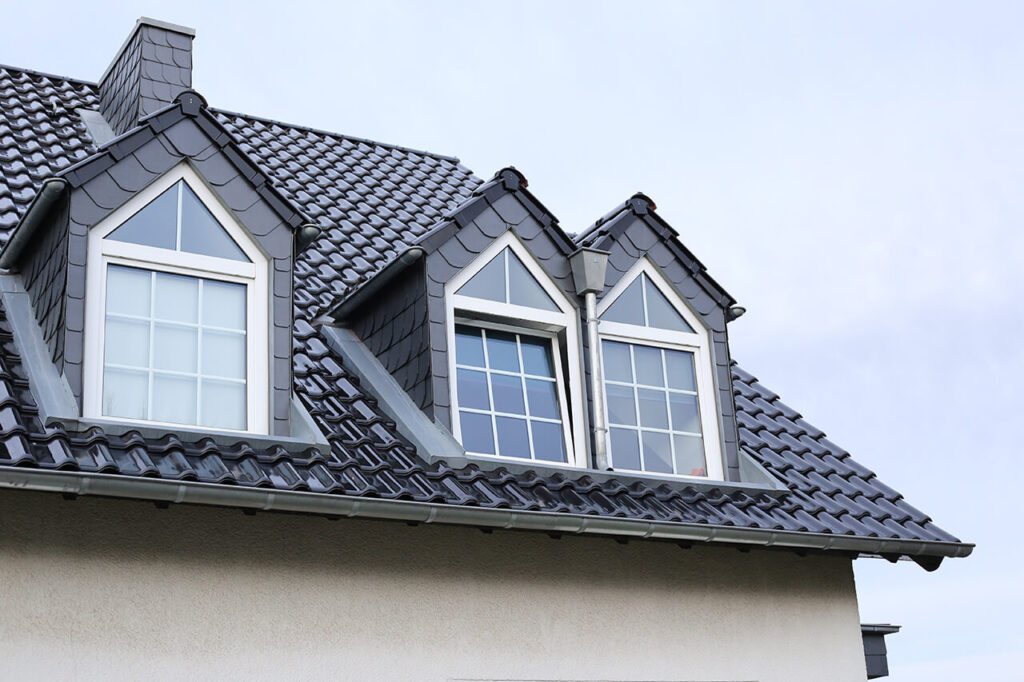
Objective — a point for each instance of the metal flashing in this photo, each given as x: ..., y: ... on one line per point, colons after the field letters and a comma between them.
x: 98, y: 128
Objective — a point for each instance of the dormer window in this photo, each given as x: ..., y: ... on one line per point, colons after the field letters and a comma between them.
x: 177, y: 313
x: 513, y: 353
x: 659, y: 393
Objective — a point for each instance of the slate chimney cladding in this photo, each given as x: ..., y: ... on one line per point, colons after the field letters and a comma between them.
x: 152, y: 68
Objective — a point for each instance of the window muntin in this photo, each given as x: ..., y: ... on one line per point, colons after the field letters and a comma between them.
x: 510, y: 389
x: 642, y: 304
x: 505, y: 279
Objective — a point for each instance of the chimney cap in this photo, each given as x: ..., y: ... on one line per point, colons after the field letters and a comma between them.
x: 166, y: 25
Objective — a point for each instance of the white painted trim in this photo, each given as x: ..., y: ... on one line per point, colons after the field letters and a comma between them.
x: 577, y: 442
x: 698, y: 343
x: 255, y: 276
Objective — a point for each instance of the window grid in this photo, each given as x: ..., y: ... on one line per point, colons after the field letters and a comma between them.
x: 522, y: 375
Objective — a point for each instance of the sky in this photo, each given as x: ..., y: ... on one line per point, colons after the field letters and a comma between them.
x: 852, y: 173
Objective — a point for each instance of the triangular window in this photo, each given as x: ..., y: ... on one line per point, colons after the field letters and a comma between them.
x: 506, y: 280
x: 177, y: 220
x: 642, y: 304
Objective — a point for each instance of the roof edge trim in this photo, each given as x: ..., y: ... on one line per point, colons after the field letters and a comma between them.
x: 191, y: 492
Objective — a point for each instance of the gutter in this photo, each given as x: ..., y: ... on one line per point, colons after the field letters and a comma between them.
x: 190, y: 492
x: 37, y: 212
x: 377, y: 282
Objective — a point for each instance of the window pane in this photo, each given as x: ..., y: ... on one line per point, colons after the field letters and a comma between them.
x: 176, y: 298
x: 537, y: 356
x: 648, y: 366
x: 617, y: 365
x: 477, y: 435
x: 685, y: 415
x: 508, y: 394
x: 175, y: 348
x: 223, y: 405
x: 628, y: 308
x: 625, y: 449
x: 473, y: 389
x: 201, y: 233
x: 621, y: 408
x: 543, y: 398
x: 523, y: 289
x: 489, y: 283
x: 690, y: 456
x: 661, y: 313
x: 513, y: 439
x: 128, y: 290
x: 155, y: 225
x: 653, y: 412
x: 680, y: 370
x: 502, y: 352
x: 657, y: 452
x: 125, y: 393
x: 126, y: 342
x: 174, y: 399
x: 223, y: 354
x: 548, y: 443
x: 224, y: 304
x: 469, y: 346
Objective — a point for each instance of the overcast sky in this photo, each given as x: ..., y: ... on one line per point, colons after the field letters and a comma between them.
x: 853, y: 173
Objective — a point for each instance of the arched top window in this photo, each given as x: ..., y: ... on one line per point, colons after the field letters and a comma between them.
x: 177, y: 309
x: 513, y: 348
x: 659, y: 390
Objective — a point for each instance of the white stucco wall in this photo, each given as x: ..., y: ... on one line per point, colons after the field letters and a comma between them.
x: 117, y: 590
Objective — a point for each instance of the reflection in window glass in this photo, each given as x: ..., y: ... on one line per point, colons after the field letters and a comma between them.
x: 508, y: 397
x: 653, y: 416
x: 642, y: 304
x: 505, y: 279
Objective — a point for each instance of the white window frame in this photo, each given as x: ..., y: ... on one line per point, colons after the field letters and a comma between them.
x: 255, y: 275
x: 545, y: 323
x: 698, y: 343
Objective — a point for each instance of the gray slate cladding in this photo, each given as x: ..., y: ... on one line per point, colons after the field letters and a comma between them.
x: 373, y: 202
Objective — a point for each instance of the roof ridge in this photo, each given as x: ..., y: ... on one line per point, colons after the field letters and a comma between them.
x: 321, y: 131
x: 45, y: 74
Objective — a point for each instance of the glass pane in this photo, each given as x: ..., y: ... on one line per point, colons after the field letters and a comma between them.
x: 661, y: 313
x: 224, y: 304
x: 473, y: 389
x: 542, y: 398
x: 502, y: 352
x: 477, y: 435
x: 201, y: 233
x: 155, y: 225
x: 685, y: 414
x: 617, y: 365
x: 489, y: 283
x: 508, y: 394
x: 469, y: 346
x: 690, y: 456
x: 175, y: 348
x: 126, y: 342
x: 657, y: 452
x: 621, y: 408
x: 223, y: 405
x: 653, y: 412
x: 125, y: 393
x: 523, y: 289
x: 628, y: 308
x: 680, y: 370
x: 513, y: 439
x: 548, y: 442
x: 537, y: 356
x: 223, y: 354
x: 648, y: 366
x: 174, y: 399
x: 176, y: 298
x: 128, y: 291
x: 625, y: 449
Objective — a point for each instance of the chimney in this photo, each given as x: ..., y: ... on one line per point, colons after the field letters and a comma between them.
x: 152, y: 67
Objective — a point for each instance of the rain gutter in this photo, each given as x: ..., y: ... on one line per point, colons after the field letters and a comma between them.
x: 374, y: 285
x: 36, y: 214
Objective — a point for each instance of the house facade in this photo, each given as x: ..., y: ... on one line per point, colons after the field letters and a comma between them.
x: 465, y: 443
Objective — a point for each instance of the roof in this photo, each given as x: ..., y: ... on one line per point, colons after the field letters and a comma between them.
x: 372, y: 200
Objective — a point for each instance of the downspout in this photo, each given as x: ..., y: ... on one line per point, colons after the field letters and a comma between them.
x: 588, y: 272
